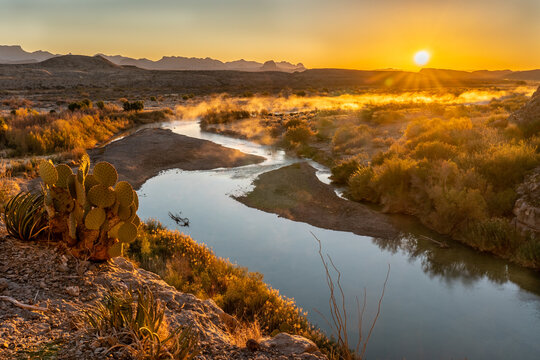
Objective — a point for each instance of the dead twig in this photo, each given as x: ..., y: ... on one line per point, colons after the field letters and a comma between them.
x: 21, y: 305
x: 338, y: 310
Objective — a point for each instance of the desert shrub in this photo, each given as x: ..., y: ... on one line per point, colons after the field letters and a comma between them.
x: 224, y: 116
x: 434, y: 150
x: 8, y: 188
x: 360, y: 185
x: 505, y: 165
x: 80, y: 105
x: 494, y: 234
x: 24, y: 216
x: 343, y: 170
x: 454, y: 208
x: 351, y: 137
x: 293, y: 123
x: 139, y: 326
x: 32, y: 132
x: 133, y: 106
x: 193, y: 267
x: 3, y: 129
x: 299, y: 134
x: 100, y: 105
x: 386, y: 117
x: 393, y: 176
x: 529, y: 251
x: 501, y: 203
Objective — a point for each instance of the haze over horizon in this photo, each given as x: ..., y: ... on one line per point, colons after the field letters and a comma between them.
x: 463, y: 35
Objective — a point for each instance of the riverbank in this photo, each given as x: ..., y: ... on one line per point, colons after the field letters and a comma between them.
x: 294, y: 192
x: 52, y: 294
x: 144, y: 154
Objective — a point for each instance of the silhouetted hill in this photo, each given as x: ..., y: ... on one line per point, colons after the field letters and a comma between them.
x: 77, y: 62
x: 525, y: 75
x: 269, y: 66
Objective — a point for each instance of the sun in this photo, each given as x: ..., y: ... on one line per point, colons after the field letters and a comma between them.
x: 422, y: 57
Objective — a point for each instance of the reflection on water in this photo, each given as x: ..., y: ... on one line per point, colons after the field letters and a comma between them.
x: 440, y: 303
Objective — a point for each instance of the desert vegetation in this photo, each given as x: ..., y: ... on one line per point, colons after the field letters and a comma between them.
x: 455, y: 165
x: 26, y: 131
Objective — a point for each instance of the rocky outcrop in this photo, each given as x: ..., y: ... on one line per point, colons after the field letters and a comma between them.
x: 38, y: 275
x: 527, y: 207
x: 528, y: 116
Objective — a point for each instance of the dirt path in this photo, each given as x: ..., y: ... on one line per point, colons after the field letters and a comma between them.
x: 295, y: 192
x: 144, y: 154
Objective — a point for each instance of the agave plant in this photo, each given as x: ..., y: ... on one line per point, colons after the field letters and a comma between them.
x: 139, y: 326
x: 25, y: 216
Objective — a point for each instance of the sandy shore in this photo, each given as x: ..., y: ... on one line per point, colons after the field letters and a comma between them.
x: 295, y: 192
x: 144, y: 154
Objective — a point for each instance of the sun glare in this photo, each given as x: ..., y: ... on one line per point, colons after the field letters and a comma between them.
x: 421, y: 58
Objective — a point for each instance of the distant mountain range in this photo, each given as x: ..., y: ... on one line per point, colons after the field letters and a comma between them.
x: 16, y: 55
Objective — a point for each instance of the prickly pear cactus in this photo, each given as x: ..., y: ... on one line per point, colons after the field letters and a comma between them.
x: 92, y: 213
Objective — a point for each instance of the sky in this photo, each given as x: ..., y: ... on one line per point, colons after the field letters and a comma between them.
x: 356, y: 34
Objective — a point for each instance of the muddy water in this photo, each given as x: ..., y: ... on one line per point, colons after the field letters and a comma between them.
x: 439, y: 304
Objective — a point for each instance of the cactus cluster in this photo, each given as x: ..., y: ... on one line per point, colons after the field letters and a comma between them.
x: 94, y: 213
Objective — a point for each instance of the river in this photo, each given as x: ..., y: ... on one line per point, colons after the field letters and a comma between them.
x: 451, y: 303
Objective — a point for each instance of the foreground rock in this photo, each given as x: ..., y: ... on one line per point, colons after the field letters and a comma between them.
x: 143, y: 155
x: 39, y: 275
x: 295, y: 192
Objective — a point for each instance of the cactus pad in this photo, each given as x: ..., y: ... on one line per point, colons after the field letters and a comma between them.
x: 136, y: 221
x: 95, y: 218
x: 124, y: 212
x: 116, y: 250
x: 89, y: 182
x: 101, y: 196
x: 124, y: 193
x: 71, y: 180
x: 84, y: 167
x: 105, y: 173
x: 48, y: 172
x: 72, y: 226
x: 136, y: 200
x: 127, y: 232
x: 80, y: 192
x: 64, y: 172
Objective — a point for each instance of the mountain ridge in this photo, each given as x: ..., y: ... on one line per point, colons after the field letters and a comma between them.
x: 15, y: 54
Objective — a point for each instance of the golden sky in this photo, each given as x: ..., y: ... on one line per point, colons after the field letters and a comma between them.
x: 359, y: 34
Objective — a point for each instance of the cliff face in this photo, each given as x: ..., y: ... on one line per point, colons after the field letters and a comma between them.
x: 39, y: 276
x: 527, y: 207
